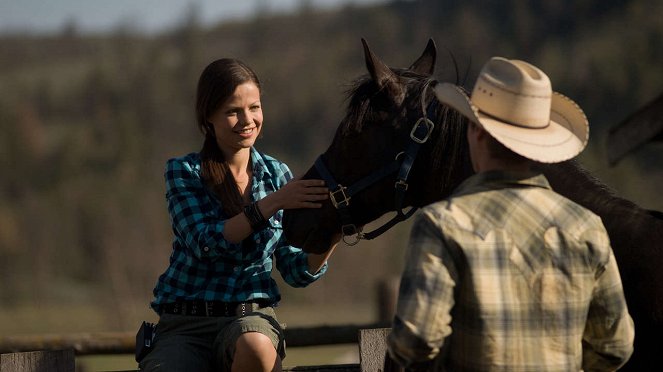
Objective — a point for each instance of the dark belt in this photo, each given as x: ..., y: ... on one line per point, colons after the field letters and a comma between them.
x: 213, y: 308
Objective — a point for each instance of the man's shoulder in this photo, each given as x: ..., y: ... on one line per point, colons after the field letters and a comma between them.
x: 450, y: 213
x: 573, y: 211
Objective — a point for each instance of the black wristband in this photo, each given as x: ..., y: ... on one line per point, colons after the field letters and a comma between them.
x: 255, y: 217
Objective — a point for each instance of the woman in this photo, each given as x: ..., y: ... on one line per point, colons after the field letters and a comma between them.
x: 216, y: 299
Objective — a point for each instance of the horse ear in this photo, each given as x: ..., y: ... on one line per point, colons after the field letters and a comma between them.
x: 425, y: 65
x: 381, y: 73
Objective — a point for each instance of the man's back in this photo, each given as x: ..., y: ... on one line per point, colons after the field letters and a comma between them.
x: 525, y: 278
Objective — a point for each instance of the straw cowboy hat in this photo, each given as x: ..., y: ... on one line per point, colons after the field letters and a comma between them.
x: 514, y: 102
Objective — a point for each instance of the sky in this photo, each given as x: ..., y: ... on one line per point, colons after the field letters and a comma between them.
x: 42, y: 16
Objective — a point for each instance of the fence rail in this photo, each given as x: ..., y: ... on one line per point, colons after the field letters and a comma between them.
x: 57, y: 353
x: 105, y: 343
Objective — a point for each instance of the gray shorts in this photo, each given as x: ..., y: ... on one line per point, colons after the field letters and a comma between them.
x: 192, y: 343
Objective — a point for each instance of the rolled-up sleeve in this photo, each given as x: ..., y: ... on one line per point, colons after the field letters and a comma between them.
x: 194, y: 221
x: 292, y: 263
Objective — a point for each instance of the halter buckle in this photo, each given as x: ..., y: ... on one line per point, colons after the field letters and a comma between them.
x: 344, y: 200
x: 401, y: 185
x: 429, y: 129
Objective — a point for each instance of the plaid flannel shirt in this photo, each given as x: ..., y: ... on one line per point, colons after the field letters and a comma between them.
x: 203, y: 265
x: 507, y: 275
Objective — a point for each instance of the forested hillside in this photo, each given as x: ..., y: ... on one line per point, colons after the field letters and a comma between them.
x: 88, y: 121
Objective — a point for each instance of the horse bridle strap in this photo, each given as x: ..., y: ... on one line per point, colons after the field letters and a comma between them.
x: 340, y: 195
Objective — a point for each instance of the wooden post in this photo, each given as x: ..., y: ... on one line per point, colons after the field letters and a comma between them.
x: 387, y: 299
x: 39, y: 361
x: 372, y: 349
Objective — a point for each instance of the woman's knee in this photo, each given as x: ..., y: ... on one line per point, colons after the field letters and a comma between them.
x: 255, y: 351
x: 254, y: 342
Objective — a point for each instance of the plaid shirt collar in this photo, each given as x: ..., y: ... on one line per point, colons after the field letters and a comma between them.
x: 497, y: 179
x: 260, y: 170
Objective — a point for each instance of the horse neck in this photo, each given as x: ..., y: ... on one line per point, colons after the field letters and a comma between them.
x: 571, y: 180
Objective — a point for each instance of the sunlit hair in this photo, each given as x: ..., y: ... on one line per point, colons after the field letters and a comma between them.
x: 217, y: 83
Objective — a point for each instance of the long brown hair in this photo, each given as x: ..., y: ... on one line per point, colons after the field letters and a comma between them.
x: 217, y: 83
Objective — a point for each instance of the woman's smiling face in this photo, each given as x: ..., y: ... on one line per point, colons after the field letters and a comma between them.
x: 237, y: 122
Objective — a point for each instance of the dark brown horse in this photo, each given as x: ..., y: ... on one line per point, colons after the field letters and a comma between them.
x: 385, y: 157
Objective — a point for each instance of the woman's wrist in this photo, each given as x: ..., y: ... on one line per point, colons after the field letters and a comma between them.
x: 255, y: 216
x: 269, y: 205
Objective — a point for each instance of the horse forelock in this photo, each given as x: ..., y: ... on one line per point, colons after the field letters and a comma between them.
x: 364, y: 94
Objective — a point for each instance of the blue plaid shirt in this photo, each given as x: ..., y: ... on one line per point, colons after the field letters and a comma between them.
x: 203, y: 265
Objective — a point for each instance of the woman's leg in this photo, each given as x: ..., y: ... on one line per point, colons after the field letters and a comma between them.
x: 254, y: 342
x: 255, y: 352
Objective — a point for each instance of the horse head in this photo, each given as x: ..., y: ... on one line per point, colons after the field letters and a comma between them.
x: 396, y: 147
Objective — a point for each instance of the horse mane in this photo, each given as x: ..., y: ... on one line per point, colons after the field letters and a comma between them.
x: 450, y: 158
x: 359, y: 104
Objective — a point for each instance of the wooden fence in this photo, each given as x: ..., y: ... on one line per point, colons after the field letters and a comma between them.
x: 124, y: 342
x: 56, y: 353
x: 64, y: 361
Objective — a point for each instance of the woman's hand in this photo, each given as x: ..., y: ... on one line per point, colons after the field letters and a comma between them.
x: 295, y: 194
x: 300, y: 194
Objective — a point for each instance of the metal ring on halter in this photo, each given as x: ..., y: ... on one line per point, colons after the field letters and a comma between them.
x: 355, y: 231
x: 355, y: 242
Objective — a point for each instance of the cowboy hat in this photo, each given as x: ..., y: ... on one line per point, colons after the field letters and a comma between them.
x: 514, y: 102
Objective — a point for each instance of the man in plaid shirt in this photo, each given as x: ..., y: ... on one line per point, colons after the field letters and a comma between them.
x: 506, y: 274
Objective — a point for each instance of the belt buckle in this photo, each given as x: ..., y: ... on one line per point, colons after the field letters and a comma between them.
x: 208, y: 310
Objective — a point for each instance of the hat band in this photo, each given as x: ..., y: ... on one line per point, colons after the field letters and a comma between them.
x: 493, y: 117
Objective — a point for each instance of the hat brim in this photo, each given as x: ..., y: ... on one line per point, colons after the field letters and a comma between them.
x: 564, y: 138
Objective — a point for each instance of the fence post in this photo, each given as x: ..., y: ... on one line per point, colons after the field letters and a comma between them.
x: 372, y: 349
x: 39, y: 361
x: 387, y: 299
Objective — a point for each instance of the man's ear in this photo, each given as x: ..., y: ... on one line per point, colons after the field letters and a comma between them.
x: 472, y: 128
x: 478, y: 130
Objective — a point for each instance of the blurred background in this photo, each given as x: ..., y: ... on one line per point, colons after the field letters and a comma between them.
x: 95, y: 96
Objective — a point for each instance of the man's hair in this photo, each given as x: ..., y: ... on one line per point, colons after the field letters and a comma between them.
x: 497, y: 150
